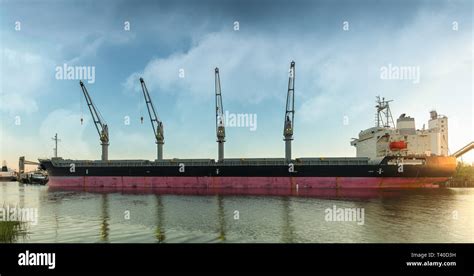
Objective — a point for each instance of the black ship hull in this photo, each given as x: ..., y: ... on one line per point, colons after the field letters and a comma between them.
x: 251, y: 173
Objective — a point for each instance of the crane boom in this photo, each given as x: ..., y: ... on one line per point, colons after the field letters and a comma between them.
x: 220, y: 128
x: 290, y: 113
x: 99, y: 123
x: 156, y: 123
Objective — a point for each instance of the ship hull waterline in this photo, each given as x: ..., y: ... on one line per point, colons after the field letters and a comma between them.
x: 212, y: 182
x: 303, y: 176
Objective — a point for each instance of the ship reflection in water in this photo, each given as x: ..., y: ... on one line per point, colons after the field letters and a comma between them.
x: 427, y: 215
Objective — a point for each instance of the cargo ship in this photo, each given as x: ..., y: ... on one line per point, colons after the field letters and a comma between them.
x: 387, y: 156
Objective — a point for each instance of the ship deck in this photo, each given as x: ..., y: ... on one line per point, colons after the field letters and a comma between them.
x: 59, y: 162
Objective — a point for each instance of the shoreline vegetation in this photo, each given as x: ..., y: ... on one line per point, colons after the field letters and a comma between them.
x: 12, y: 231
x: 464, y: 176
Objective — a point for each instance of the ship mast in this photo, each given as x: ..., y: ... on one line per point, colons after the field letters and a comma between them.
x: 99, y: 123
x: 290, y: 113
x: 56, y: 140
x: 220, y: 127
x: 156, y: 123
x: 384, y: 114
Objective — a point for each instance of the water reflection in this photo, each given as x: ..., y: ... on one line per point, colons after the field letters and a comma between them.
x: 208, y: 216
x: 104, y: 226
x: 160, y: 228
x: 318, y: 193
x: 221, y: 217
x: 288, y: 230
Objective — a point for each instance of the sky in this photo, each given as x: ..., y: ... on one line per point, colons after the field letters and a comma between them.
x: 339, y: 48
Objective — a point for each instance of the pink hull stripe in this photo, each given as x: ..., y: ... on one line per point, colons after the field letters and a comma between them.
x: 141, y: 182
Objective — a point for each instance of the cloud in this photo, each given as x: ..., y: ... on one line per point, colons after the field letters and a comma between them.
x: 337, y: 74
x: 89, y: 50
x: 248, y: 66
x: 66, y: 124
x: 17, y: 141
x: 315, y: 108
x: 126, y: 144
x: 13, y: 146
x: 91, y: 44
x: 24, y: 78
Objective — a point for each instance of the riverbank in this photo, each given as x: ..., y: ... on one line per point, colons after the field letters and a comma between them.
x: 464, y: 177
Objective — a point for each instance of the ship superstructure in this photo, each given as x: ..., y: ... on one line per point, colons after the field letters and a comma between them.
x: 6, y: 174
x: 402, y: 139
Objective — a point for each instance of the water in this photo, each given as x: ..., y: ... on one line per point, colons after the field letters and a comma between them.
x: 435, y: 215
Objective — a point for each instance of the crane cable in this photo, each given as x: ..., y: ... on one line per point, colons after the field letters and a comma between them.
x: 140, y: 107
x: 81, y: 109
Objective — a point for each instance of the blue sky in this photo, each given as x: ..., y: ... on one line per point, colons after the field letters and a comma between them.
x: 337, y: 73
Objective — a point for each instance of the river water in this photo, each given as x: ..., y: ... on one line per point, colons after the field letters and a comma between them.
x: 427, y: 215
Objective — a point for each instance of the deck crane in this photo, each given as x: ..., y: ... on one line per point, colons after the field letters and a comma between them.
x: 290, y: 113
x: 99, y: 123
x: 220, y: 127
x: 156, y: 124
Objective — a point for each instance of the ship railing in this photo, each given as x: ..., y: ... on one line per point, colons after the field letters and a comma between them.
x: 212, y: 162
x: 254, y: 161
x: 133, y: 163
x: 299, y: 161
x: 333, y: 161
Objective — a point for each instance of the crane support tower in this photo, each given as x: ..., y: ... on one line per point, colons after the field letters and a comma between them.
x: 290, y: 113
x: 220, y: 127
x: 99, y: 123
x: 156, y: 123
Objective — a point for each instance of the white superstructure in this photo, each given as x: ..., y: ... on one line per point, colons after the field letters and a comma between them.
x: 386, y: 139
x: 6, y: 174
